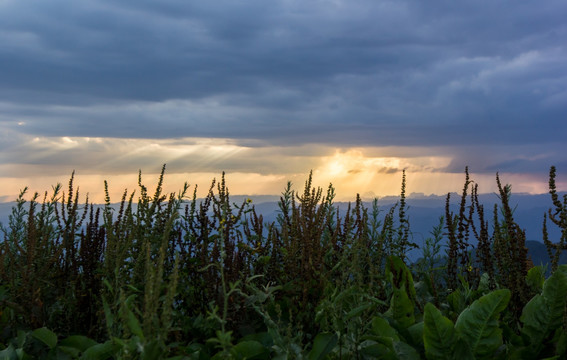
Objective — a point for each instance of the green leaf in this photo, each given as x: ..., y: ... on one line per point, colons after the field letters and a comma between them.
x: 544, y: 312
x: 400, y: 276
x: 21, y: 339
x: 263, y: 338
x: 223, y: 355
x: 457, y: 301
x: 78, y: 342
x: 402, y: 308
x: 555, y: 295
x: 22, y: 355
x: 561, y: 348
x: 390, y: 344
x: 134, y: 325
x: 405, y: 351
x: 322, y: 345
x: 197, y: 352
x: 402, y: 303
x: 375, y: 351
x: 562, y: 269
x: 250, y: 350
x: 9, y: 353
x: 382, y: 328
x: 358, y: 310
x: 46, y: 336
x: 478, y: 324
x: 535, y: 278
x: 102, y: 351
x: 415, y: 335
x: 439, y: 335
x: 68, y: 352
x: 536, y: 319
x: 107, y: 312
x: 151, y: 350
x: 463, y: 351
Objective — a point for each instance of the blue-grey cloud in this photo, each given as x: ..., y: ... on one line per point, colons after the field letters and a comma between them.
x: 364, y: 73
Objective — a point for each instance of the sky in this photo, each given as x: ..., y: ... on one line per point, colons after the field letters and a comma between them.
x: 268, y: 90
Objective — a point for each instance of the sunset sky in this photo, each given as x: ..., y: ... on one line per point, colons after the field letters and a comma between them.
x: 268, y: 90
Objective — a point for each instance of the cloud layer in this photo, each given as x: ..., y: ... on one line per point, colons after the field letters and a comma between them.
x: 483, y: 82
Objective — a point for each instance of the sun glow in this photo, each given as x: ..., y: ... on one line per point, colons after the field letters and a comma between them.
x: 251, y: 170
x: 352, y: 172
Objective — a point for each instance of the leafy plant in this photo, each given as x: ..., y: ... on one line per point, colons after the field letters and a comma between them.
x: 167, y: 276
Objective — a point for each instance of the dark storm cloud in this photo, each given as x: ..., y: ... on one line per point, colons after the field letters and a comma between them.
x: 535, y: 158
x: 403, y: 73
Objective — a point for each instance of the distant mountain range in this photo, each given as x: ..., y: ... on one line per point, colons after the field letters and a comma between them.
x: 424, y: 212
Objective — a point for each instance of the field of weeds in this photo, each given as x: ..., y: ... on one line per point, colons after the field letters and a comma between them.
x: 170, y: 276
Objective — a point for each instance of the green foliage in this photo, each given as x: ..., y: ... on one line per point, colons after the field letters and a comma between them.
x: 46, y: 336
x: 545, y: 313
x: 478, y: 325
x: 167, y: 276
x: 439, y: 335
x: 322, y: 345
x: 402, y: 302
x: 386, y: 341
